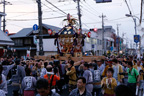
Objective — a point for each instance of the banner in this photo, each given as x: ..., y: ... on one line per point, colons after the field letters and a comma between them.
x: 28, y: 54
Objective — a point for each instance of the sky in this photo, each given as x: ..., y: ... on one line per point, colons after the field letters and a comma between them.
x: 23, y: 14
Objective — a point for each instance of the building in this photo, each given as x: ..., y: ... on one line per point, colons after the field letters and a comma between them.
x: 5, y: 41
x: 48, y: 40
x: 109, y: 38
x: 24, y: 41
x: 95, y: 43
x: 90, y: 45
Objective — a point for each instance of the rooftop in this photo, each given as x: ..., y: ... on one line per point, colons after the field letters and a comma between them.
x: 4, y: 39
x: 27, y: 31
x: 22, y: 33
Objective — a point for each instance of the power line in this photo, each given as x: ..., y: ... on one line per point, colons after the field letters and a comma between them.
x: 37, y: 11
x: 36, y: 19
x: 22, y: 1
x: 15, y: 25
x: 23, y: 12
x: 109, y: 20
x: 47, y: 6
x: 89, y: 10
x: 118, y: 19
x: 50, y: 8
x: 65, y: 5
x: 131, y: 7
x: 20, y: 15
x: 55, y: 10
x: 44, y: 11
x: 26, y: 13
x: 61, y: 10
x: 128, y: 6
x: 86, y: 18
x: 86, y: 25
x: 56, y: 7
x: 90, y: 7
x: 30, y: 12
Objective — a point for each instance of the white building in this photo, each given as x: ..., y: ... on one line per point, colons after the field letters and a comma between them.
x: 95, y: 42
x: 48, y: 40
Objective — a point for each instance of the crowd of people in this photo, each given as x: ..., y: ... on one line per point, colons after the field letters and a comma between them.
x: 111, y: 76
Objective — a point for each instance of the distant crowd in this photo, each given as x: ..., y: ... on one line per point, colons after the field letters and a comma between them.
x: 111, y: 76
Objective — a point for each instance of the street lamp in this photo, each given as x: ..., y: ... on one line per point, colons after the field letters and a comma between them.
x: 134, y: 19
x: 129, y: 15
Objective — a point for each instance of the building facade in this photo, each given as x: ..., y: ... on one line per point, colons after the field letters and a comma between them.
x: 26, y: 40
x: 95, y: 43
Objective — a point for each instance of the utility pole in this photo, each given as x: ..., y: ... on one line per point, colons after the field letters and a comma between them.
x: 135, y: 32
x: 127, y: 42
x: 40, y: 28
x: 141, y: 11
x: 4, y: 16
x: 123, y: 39
x: 140, y: 46
x: 103, y: 30
x: 118, y: 36
x: 4, y: 21
x: 79, y: 15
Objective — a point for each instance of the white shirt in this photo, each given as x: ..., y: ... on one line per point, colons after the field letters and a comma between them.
x: 139, y: 68
x: 3, y: 85
x: 2, y: 93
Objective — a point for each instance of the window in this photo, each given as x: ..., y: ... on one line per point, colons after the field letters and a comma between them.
x: 106, y: 42
x: 27, y: 41
x: 88, y: 40
x: 94, y: 41
x: 18, y: 42
x: 111, y: 43
x: 100, y: 42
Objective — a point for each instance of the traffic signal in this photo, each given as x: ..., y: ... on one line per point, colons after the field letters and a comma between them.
x: 95, y: 29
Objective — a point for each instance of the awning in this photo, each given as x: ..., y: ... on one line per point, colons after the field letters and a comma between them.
x: 6, y: 43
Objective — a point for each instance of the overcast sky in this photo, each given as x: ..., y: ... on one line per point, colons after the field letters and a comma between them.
x: 114, y: 11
